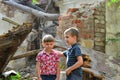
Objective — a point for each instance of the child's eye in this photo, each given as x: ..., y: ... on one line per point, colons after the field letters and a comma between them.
x: 67, y: 37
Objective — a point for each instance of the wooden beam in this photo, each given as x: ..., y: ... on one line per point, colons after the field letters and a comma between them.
x: 10, y: 21
x: 29, y: 53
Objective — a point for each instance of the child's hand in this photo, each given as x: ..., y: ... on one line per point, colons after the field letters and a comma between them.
x: 39, y: 79
x: 57, y: 79
x: 68, y: 71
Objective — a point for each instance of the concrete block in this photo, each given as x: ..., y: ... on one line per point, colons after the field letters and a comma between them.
x: 62, y: 75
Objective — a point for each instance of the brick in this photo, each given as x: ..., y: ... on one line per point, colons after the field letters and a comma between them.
x: 102, y: 22
x: 80, y: 25
x: 99, y: 43
x: 76, y: 21
x: 78, y: 14
x: 99, y: 25
x: 99, y: 38
x: 86, y: 35
x: 72, y: 10
x: 99, y: 34
x: 87, y: 43
x: 97, y: 21
x: 99, y: 30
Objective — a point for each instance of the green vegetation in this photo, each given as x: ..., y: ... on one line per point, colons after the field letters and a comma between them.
x: 16, y: 76
x: 62, y: 66
x: 111, y: 2
x: 112, y: 39
x: 115, y: 39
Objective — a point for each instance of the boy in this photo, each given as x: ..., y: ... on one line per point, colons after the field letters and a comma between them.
x: 73, y: 54
x: 47, y: 66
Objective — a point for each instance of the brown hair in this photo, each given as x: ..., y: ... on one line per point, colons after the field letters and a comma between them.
x: 73, y: 31
x: 48, y: 38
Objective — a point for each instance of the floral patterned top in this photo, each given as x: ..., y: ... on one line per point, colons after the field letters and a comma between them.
x: 48, y: 62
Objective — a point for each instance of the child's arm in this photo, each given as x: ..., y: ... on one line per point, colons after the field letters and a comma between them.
x: 58, y: 71
x: 76, y: 65
x: 38, y: 70
x: 60, y: 53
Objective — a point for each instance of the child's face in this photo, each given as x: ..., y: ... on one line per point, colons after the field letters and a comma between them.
x: 48, y: 45
x: 70, y: 40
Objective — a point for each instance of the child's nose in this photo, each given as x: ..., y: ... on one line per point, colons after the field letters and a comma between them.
x: 49, y: 45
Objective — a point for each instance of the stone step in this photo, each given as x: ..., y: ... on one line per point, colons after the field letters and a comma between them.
x: 62, y: 75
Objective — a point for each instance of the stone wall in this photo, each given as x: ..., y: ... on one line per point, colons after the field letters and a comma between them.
x: 106, y: 25
x: 90, y: 20
x: 113, y: 30
x: 66, y: 4
x: 100, y: 27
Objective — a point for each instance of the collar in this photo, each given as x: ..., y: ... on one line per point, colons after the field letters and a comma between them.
x: 74, y: 45
x: 44, y: 52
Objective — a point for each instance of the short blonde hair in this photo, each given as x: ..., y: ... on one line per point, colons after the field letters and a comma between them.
x: 72, y: 31
x: 48, y: 38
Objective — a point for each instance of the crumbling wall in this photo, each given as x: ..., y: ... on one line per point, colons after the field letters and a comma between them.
x: 113, y: 29
x: 90, y: 20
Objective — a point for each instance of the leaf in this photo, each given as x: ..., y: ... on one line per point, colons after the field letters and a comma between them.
x: 119, y: 6
x: 108, y: 3
x: 114, y: 1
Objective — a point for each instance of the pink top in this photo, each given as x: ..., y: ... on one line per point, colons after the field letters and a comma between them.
x: 48, y: 62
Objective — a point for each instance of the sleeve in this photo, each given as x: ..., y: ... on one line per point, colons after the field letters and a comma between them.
x: 77, y: 51
x: 38, y: 58
x: 57, y: 58
x: 65, y: 53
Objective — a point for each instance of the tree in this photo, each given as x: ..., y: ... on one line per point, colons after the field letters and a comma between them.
x: 41, y: 16
x: 111, y: 2
x: 35, y: 12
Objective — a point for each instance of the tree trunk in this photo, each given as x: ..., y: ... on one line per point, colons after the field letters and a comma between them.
x: 9, y: 43
x: 35, y: 12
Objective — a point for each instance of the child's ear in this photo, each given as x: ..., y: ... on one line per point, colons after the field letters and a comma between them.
x: 75, y: 37
x: 54, y: 43
x: 43, y: 44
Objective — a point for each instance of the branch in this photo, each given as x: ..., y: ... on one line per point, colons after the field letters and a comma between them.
x: 29, y: 53
x: 48, y: 4
x: 10, y: 21
x: 35, y: 12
